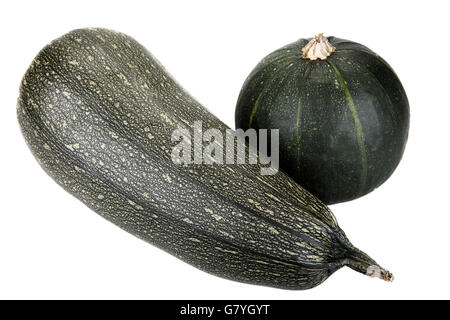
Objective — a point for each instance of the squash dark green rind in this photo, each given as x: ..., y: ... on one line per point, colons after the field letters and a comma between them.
x: 97, y: 110
x: 343, y: 121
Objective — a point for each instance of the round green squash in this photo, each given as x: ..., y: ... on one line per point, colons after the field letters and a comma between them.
x: 342, y: 113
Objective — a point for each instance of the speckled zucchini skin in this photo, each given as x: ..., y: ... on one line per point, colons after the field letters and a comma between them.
x: 97, y: 110
x: 343, y: 121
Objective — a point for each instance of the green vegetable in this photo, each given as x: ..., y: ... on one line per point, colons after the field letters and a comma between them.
x: 342, y: 113
x: 97, y: 110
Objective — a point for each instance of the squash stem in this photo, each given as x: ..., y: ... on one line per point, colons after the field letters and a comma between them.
x: 318, y: 48
x: 361, y: 262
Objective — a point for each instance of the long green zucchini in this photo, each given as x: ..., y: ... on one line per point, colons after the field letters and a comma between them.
x: 97, y: 110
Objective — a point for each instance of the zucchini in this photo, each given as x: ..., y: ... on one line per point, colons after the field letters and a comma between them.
x: 97, y: 111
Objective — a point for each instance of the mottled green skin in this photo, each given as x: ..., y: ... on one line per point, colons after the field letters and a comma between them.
x: 97, y: 111
x: 343, y: 121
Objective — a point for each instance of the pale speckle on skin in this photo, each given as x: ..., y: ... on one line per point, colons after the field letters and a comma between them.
x: 256, y: 204
x: 124, y: 79
x: 273, y: 230
x: 194, y: 239
x: 79, y: 169
x: 167, y: 178
x: 187, y: 220
x: 226, y: 250
x: 72, y: 147
x: 100, y: 197
x: 47, y: 147
x: 166, y: 118
x: 273, y: 197
x: 101, y: 38
x: 283, y: 263
x: 226, y: 234
x: 31, y: 101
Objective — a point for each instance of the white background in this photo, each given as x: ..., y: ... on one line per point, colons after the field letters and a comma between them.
x: 52, y: 246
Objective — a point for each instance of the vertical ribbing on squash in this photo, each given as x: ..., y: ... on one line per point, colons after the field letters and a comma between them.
x: 255, y: 106
x: 358, y: 127
x: 299, y: 114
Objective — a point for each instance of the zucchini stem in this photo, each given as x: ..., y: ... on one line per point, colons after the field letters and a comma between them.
x: 377, y: 271
x: 361, y: 262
